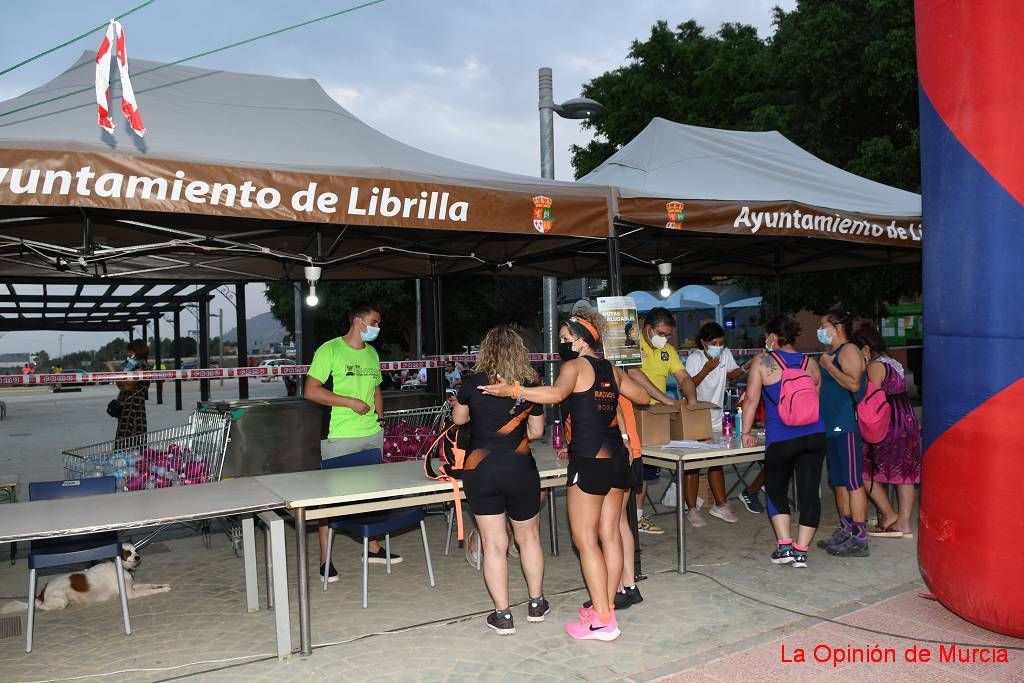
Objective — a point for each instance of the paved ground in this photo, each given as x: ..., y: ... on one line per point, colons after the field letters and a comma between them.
x: 725, y: 620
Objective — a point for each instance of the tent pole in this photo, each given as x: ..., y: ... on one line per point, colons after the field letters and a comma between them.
x: 157, y: 359
x: 778, y: 293
x: 436, y: 296
x: 614, y: 267
x: 177, y: 357
x: 204, y: 344
x: 419, y: 319
x: 297, y: 340
x: 241, y: 339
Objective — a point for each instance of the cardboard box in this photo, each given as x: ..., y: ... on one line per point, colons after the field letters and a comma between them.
x: 653, y: 425
x: 686, y: 422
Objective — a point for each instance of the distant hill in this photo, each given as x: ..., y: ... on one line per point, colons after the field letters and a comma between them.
x: 262, y: 330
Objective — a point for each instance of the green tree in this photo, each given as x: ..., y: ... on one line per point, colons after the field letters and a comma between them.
x: 683, y: 76
x: 471, y: 304
x: 837, y: 78
x: 330, y: 319
x: 865, y: 292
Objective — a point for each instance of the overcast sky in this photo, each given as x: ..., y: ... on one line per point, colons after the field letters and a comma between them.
x: 454, y: 77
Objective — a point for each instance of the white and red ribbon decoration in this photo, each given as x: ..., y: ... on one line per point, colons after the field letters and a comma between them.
x: 115, y: 37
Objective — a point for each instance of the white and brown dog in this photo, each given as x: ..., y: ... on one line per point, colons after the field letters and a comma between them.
x: 96, y: 584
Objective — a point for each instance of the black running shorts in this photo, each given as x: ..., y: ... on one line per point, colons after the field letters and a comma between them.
x: 598, y: 476
x: 495, y: 490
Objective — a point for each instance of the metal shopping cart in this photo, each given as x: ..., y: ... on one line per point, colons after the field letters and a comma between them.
x: 408, y: 434
x: 187, y: 454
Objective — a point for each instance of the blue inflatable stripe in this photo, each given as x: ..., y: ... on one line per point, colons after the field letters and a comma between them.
x: 973, y: 262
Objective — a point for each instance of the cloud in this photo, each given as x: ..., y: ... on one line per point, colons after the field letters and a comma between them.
x: 343, y: 95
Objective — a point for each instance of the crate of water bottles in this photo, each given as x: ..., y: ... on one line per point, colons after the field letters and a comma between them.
x: 192, y: 453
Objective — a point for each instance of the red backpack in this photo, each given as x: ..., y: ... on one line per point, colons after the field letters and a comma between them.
x: 874, y: 414
x: 798, y: 395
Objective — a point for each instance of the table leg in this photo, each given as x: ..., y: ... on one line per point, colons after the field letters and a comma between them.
x: 303, y: 576
x: 279, y: 579
x: 252, y: 589
x: 553, y: 522
x: 680, y: 521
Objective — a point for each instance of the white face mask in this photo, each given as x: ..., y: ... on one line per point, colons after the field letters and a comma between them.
x: 658, y: 341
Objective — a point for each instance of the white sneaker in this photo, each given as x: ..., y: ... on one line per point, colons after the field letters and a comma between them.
x: 696, y: 518
x: 723, y: 512
x: 699, y: 504
x: 669, y: 498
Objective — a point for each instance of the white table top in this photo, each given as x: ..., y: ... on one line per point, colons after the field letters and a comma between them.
x: 715, y: 450
x: 370, y: 482
x: 133, y: 510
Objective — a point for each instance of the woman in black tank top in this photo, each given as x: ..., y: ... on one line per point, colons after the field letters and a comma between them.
x: 588, y: 388
x: 500, y: 478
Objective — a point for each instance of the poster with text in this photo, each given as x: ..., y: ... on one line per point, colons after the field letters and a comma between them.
x: 622, y: 340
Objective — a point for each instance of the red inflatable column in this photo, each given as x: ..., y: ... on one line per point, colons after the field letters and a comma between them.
x: 971, y: 548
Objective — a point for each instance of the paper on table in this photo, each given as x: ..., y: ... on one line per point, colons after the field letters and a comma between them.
x: 686, y: 444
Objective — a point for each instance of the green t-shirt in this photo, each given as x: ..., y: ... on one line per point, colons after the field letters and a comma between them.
x: 356, y: 373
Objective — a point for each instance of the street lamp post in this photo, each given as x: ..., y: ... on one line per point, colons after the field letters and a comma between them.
x: 60, y: 349
x: 576, y: 108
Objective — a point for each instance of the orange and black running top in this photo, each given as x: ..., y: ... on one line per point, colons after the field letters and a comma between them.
x: 591, y: 427
x: 497, y: 426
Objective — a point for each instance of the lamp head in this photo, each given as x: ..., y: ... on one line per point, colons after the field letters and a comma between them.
x: 312, y: 273
x: 579, y: 108
x: 664, y: 268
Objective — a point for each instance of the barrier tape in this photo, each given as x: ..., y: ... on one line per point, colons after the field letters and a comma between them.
x: 434, y: 362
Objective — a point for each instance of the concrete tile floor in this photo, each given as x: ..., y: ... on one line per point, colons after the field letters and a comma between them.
x: 917, y: 619
x: 683, y: 619
x: 200, y: 631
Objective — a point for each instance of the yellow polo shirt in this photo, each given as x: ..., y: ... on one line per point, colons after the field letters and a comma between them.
x: 658, y: 364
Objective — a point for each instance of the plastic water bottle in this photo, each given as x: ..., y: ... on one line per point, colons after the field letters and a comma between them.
x: 739, y: 421
x: 556, y: 435
x: 727, y: 425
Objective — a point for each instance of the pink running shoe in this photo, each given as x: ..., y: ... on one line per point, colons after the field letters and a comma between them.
x: 585, y: 612
x: 590, y: 628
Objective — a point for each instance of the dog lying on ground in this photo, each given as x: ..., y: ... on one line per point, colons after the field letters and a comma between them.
x: 95, y: 584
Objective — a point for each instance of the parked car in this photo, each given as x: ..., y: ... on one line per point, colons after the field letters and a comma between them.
x: 273, y: 363
x: 70, y: 385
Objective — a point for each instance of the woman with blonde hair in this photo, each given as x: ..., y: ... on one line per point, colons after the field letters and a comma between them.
x: 500, y: 476
x: 599, y: 474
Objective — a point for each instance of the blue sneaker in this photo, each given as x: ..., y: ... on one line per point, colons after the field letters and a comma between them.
x: 752, y: 501
x: 782, y: 554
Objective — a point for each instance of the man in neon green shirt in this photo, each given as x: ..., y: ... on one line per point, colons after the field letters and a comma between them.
x: 356, y: 403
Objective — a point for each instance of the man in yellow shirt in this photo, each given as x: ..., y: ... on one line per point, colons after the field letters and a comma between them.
x: 659, y: 360
x: 356, y: 403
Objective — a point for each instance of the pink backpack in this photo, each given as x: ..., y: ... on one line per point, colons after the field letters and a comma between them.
x: 874, y: 413
x: 798, y: 395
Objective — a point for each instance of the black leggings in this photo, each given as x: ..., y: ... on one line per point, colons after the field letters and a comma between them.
x: 802, y: 457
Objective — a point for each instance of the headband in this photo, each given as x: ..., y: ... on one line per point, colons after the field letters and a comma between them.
x: 584, y: 330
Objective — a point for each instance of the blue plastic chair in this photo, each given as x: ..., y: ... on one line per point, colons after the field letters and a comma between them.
x: 373, y: 524
x: 57, y: 552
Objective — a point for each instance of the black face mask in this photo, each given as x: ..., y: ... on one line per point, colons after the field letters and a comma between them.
x: 566, y: 352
